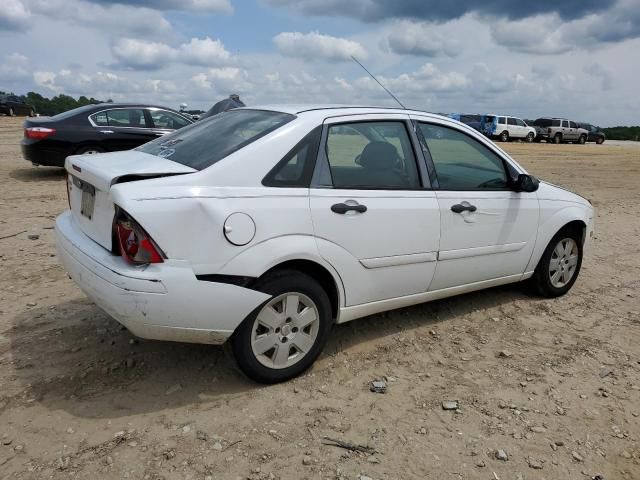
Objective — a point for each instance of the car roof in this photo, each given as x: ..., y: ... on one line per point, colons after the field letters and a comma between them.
x: 129, y: 105
x: 336, y: 110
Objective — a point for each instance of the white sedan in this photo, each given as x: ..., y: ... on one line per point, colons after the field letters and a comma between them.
x: 265, y: 226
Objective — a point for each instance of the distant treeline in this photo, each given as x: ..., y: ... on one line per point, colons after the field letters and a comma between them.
x: 623, y: 133
x: 58, y: 104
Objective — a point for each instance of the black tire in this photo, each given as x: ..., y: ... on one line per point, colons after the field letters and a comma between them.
x: 529, y: 138
x: 582, y: 140
x: 600, y: 140
x: 32, y: 113
x: 504, y: 136
x: 275, y: 284
x: 11, y: 112
x: 89, y: 149
x: 541, y: 280
x: 557, y: 139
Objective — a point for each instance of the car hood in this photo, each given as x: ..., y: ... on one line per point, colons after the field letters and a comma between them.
x: 549, y: 191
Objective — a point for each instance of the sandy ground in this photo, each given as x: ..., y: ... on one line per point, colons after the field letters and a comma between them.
x: 80, y: 398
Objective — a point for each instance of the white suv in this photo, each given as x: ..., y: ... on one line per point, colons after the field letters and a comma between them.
x: 508, y: 128
x: 268, y: 225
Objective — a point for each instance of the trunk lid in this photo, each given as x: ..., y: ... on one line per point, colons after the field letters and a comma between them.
x: 92, y: 176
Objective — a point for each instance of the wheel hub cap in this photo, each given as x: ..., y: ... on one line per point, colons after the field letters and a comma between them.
x: 563, y: 263
x: 285, y: 330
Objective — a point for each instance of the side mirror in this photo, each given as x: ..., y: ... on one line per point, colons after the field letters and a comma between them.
x: 526, y: 183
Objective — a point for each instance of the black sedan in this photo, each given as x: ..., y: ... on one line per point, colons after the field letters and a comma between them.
x: 106, y: 127
x: 595, y: 133
x: 14, y: 105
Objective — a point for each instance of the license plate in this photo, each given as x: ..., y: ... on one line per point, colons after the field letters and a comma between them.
x: 88, y: 201
x: 88, y: 197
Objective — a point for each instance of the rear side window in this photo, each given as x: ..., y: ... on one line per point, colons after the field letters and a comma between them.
x: 555, y: 123
x: 371, y: 155
x: 120, y: 117
x: 167, y: 120
x: 461, y: 162
x: 502, y: 120
x: 543, y: 122
x: 296, y: 168
x: 208, y: 141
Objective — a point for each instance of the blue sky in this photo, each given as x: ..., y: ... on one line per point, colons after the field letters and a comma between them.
x: 575, y: 58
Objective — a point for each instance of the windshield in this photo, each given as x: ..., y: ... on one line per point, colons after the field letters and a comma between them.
x: 205, y: 142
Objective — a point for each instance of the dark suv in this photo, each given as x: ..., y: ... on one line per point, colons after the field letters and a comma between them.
x: 595, y: 133
x: 13, y: 105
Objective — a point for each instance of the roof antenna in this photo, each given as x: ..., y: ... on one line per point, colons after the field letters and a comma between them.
x: 378, y: 82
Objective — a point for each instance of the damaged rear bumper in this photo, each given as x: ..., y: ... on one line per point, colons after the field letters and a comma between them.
x: 160, y: 301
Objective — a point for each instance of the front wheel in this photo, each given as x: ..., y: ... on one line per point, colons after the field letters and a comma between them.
x: 560, y: 264
x: 557, y: 139
x: 284, y: 336
x: 582, y: 140
x: 11, y: 112
x: 529, y: 138
x: 504, y: 136
x: 600, y: 140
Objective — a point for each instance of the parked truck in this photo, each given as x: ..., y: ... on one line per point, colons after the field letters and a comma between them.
x: 559, y: 130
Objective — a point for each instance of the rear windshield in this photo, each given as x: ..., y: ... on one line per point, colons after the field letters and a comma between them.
x: 205, y: 142
x: 542, y: 122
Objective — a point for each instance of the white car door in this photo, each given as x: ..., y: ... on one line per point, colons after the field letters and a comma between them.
x: 488, y: 231
x: 514, y: 129
x: 373, y: 218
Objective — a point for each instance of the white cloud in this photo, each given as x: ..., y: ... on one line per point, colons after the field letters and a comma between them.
x: 421, y: 39
x: 204, y: 52
x: 315, y: 46
x: 141, y: 54
x: 14, y: 15
x: 147, y: 55
x: 14, y: 67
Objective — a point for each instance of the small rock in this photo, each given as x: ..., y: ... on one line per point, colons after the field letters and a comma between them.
x: 559, y: 443
x: 186, y: 429
x: 307, y: 460
x: 450, y: 405
x: 538, y: 429
x: 480, y: 464
x: 423, y: 431
x: 217, y: 446
x: 364, y: 477
x: 583, y: 396
x: 577, y: 457
x: 173, y: 389
x: 32, y: 304
x: 18, y: 448
x: 501, y: 455
x: 373, y: 459
x: 33, y: 237
x: 605, y: 372
x: 200, y: 435
x: 6, y: 441
x: 505, y: 354
x: 109, y: 460
x: 378, y: 386
x: 535, y: 464
x: 626, y: 454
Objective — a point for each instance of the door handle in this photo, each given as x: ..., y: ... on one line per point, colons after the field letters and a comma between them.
x: 106, y: 131
x: 343, y: 208
x: 459, y: 208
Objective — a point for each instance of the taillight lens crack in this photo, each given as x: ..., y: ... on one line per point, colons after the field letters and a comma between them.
x: 136, y: 246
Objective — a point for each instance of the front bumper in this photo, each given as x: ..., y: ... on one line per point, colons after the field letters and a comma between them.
x: 160, y: 301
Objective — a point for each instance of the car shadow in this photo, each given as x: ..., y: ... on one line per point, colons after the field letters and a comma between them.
x: 30, y: 173
x: 75, y: 358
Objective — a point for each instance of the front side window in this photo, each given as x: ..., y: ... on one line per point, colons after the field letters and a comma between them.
x: 573, y: 124
x: 565, y: 124
x: 167, y: 120
x: 371, y: 155
x: 208, y: 141
x: 461, y: 162
x: 520, y: 123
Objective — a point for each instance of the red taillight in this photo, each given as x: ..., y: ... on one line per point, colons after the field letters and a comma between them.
x: 135, y: 244
x: 38, y: 133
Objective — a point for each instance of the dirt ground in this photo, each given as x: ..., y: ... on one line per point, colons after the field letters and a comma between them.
x: 81, y: 398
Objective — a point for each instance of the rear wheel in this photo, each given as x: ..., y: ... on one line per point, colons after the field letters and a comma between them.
x: 89, y: 150
x: 285, y: 335
x: 560, y: 264
x: 600, y: 140
x: 504, y: 136
x: 557, y: 139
